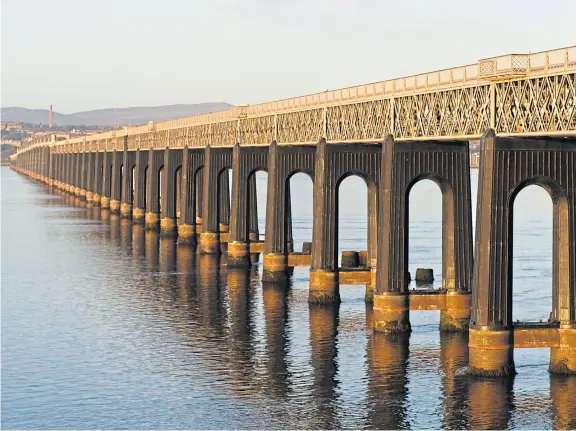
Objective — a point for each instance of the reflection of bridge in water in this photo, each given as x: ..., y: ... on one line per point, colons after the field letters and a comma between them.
x: 213, y: 310
x: 173, y: 177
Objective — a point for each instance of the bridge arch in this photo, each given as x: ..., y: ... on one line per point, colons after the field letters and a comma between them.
x: 508, y: 166
x: 561, y: 297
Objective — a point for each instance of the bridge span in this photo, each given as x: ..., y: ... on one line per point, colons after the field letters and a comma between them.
x: 173, y: 177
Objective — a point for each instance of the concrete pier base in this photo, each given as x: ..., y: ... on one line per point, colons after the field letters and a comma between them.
x: 76, y: 191
x: 209, y: 243
x: 324, y: 287
x: 89, y: 197
x: 239, y: 254
x: 168, y: 227
x: 138, y: 215
x: 456, y: 316
x: 115, y: 206
x: 563, y: 358
x: 391, y: 313
x: 491, y: 352
x: 82, y: 194
x: 275, y: 268
x: 105, y: 202
x: 151, y: 221
x: 187, y: 234
x: 126, y: 210
x: 96, y: 199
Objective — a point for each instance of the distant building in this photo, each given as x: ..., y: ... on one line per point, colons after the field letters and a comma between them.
x: 12, y: 125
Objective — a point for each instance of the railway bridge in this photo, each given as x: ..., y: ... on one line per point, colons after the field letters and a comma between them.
x: 173, y: 176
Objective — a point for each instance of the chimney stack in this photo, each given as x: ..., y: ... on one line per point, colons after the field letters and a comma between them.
x: 50, y: 118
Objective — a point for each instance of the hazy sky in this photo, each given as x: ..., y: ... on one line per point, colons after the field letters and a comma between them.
x: 86, y: 54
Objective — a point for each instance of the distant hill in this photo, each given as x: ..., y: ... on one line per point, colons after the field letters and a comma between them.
x: 112, y: 116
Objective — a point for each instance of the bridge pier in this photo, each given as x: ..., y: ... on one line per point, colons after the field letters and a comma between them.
x: 199, y: 182
x: 139, y: 198
x: 244, y: 217
x: 98, y: 174
x: 116, y: 182
x: 155, y: 164
x: 333, y: 164
x: 69, y: 172
x: 106, y: 179
x: 403, y: 165
x: 83, y: 166
x: 170, y: 172
x: 192, y: 161
x: 507, y: 166
x: 128, y: 163
x: 76, y: 167
x: 90, y: 164
x: 283, y: 162
x: 217, y: 161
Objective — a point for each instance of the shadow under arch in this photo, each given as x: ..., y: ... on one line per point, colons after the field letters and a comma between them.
x: 223, y: 199
x: 562, y: 300
x: 198, y: 176
x: 160, y: 182
x: 253, y: 233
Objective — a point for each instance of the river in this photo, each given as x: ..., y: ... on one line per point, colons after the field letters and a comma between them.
x: 106, y: 326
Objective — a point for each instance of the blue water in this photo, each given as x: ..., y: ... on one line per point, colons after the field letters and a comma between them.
x: 105, y: 326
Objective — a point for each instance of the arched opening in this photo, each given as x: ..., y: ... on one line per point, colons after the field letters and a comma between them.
x: 224, y: 198
x: 532, y: 254
x: 355, y: 245
x: 120, y: 182
x: 160, y: 188
x: 109, y: 181
x: 257, y: 188
x: 145, y: 191
x: 300, y: 192
x: 177, y: 191
x: 352, y: 221
x: 198, y: 193
x: 132, y: 183
x: 425, y: 227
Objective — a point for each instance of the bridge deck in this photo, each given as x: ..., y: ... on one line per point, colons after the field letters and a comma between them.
x: 516, y: 95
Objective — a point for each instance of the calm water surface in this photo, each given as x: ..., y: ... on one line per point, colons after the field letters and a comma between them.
x: 107, y: 326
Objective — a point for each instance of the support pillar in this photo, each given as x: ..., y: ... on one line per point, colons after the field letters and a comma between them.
x: 83, y: 175
x: 77, y: 173
x: 116, y: 184
x: 152, y: 218
x: 282, y: 163
x: 90, y: 178
x: 172, y: 160
x: 244, y: 216
x: 98, y: 174
x: 106, y: 179
x: 126, y: 192
x: 507, y: 166
x: 187, y: 224
x: 139, y: 200
x: 324, y: 284
x: 216, y: 163
x: 403, y: 165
